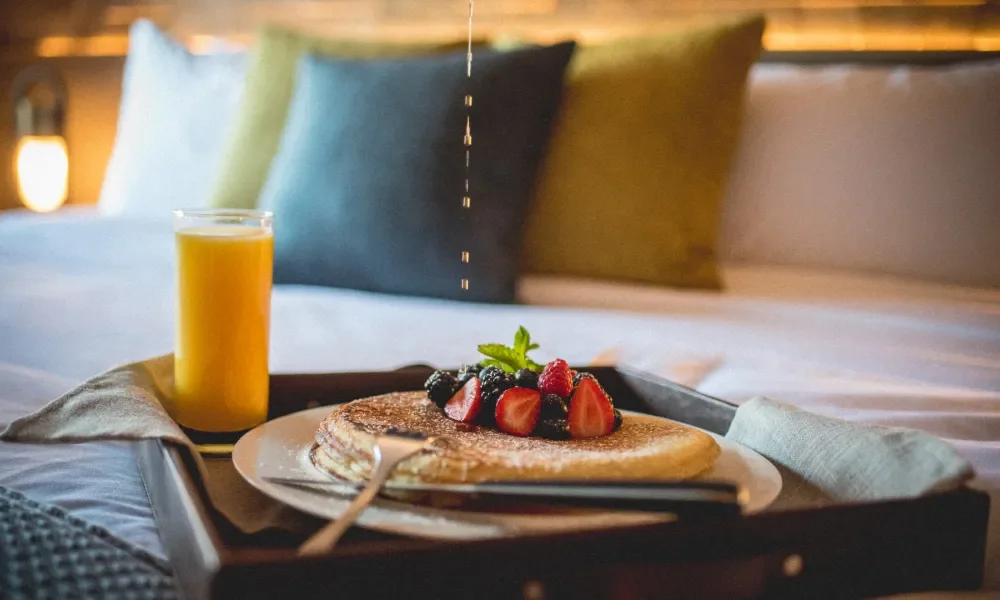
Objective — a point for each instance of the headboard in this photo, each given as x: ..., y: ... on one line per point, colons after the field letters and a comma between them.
x: 927, y: 58
x: 65, y: 27
x: 85, y: 40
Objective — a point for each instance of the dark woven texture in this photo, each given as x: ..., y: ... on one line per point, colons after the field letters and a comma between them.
x: 46, y: 553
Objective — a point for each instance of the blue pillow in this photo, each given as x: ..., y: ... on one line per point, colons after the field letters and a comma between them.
x: 368, y: 182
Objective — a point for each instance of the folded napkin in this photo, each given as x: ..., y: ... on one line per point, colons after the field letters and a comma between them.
x: 823, y: 460
x: 127, y: 403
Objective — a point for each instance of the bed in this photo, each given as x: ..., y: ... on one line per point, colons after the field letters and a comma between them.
x: 82, y: 292
x: 877, y: 300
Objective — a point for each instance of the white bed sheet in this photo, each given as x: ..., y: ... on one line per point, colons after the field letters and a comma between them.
x: 81, y: 293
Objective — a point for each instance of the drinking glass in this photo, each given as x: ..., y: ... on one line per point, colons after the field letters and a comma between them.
x: 224, y: 265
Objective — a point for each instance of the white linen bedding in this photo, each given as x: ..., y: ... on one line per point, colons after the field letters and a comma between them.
x: 80, y: 293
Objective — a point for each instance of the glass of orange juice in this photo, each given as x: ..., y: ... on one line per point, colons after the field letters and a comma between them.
x: 224, y: 264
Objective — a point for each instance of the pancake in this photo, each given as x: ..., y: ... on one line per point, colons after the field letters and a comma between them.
x: 643, y: 448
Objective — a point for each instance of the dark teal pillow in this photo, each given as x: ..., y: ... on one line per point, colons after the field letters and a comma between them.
x: 368, y: 182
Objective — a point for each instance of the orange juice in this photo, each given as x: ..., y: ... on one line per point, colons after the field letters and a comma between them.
x: 223, y: 318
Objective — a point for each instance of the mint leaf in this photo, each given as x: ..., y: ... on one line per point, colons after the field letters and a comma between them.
x: 505, y: 355
x: 492, y: 362
x: 497, y: 351
x: 512, y: 359
x: 533, y: 347
x: 522, y: 339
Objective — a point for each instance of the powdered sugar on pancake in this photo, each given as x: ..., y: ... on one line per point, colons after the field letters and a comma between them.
x: 644, y: 447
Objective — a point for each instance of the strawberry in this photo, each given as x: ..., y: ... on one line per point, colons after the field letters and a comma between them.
x: 556, y: 379
x: 590, y: 411
x: 518, y: 410
x: 464, y: 406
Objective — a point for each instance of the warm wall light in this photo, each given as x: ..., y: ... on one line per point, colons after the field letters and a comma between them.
x: 42, y: 169
x: 41, y: 161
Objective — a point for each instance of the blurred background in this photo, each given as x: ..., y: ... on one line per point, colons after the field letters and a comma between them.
x: 85, y: 41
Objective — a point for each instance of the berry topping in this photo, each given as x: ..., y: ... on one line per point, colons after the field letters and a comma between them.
x: 553, y: 429
x: 581, y: 376
x: 554, y: 407
x: 518, y: 410
x: 464, y: 377
x: 511, y: 392
x: 489, y: 372
x: 465, y: 405
x: 555, y: 379
x: 441, y: 386
x: 469, y: 371
x: 494, y: 382
x: 590, y: 411
x: 526, y: 378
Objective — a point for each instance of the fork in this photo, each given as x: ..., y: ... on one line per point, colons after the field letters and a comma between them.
x: 390, y: 449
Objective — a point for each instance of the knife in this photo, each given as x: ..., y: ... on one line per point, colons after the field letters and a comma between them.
x: 684, y: 498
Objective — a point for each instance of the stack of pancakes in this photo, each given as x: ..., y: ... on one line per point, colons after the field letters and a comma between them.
x: 643, y: 448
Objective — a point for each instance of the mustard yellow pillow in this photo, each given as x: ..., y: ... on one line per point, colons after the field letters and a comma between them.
x: 270, y: 80
x: 632, y: 185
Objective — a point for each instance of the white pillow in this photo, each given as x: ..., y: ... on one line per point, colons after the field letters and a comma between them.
x: 175, y: 115
x: 881, y: 169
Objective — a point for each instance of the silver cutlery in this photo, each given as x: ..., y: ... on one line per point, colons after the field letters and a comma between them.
x: 684, y: 498
x: 390, y: 448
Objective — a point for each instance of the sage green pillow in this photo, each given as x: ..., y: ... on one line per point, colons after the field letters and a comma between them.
x: 633, y: 183
x: 270, y: 80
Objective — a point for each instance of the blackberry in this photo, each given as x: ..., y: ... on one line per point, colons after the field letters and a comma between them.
x: 526, y: 378
x: 494, y: 381
x: 554, y: 407
x: 469, y: 371
x: 441, y: 386
x: 618, y: 419
x: 553, y: 429
x: 487, y: 372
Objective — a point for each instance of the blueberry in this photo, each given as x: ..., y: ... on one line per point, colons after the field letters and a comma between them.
x: 526, y: 378
x: 554, y: 407
x: 467, y: 370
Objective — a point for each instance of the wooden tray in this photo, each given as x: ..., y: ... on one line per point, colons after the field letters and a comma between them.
x: 931, y: 543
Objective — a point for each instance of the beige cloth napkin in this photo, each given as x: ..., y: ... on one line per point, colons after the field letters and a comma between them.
x: 127, y: 403
x: 823, y: 460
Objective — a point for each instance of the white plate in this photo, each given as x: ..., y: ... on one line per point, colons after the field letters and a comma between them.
x: 280, y: 448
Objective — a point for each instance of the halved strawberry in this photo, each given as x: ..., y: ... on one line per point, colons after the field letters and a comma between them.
x: 465, y: 404
x: 518, y: 410
x: 590, y: 411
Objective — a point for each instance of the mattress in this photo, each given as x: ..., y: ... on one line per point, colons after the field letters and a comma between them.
x: 80, y: 293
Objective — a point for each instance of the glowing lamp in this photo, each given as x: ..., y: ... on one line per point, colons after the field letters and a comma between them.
x: 41, y: 160
x: 42, y: 169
